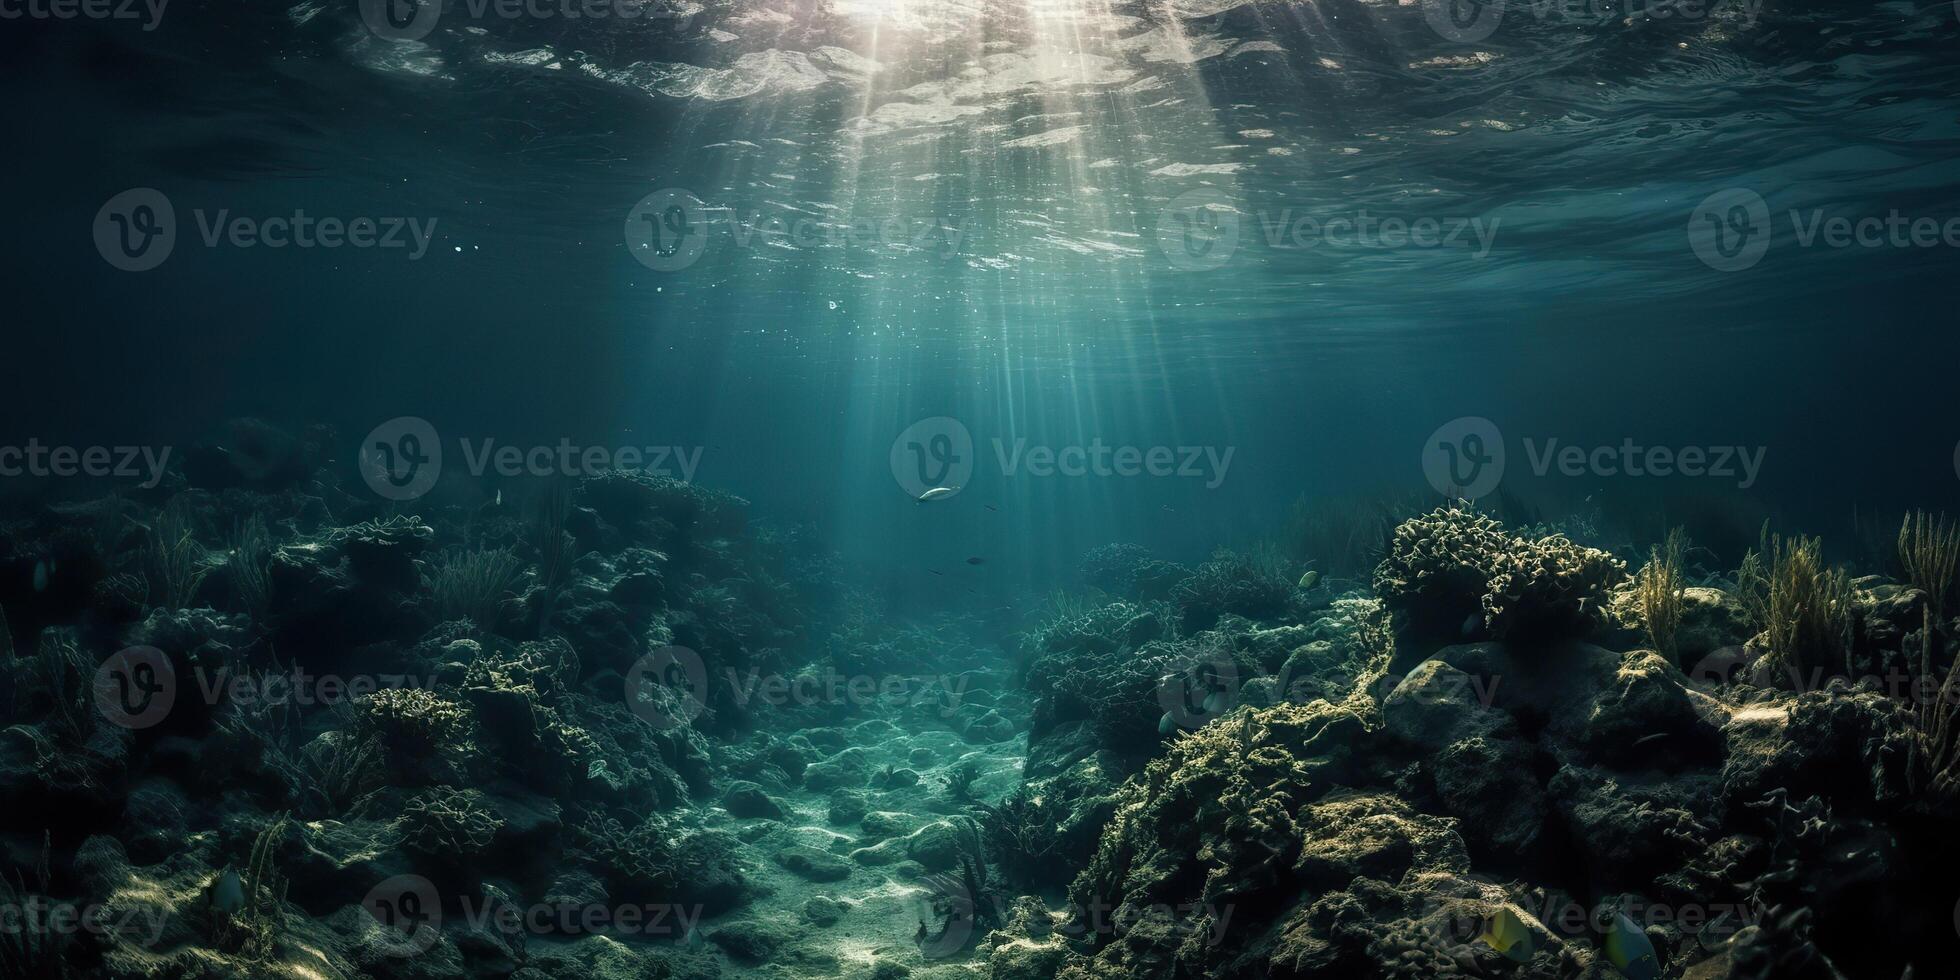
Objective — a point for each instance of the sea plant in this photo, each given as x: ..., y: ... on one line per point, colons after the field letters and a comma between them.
x: 173, y: 561
x: 960, y: 779
x: 1802, y: 604
x: 250, y: 563
x: 473, y: 585
x: 256, y: 925
x: 32, y: 954
x: 1660, y: 588
x: 1929, y: 551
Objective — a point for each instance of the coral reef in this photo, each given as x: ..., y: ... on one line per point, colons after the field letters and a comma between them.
x: 630, y: 730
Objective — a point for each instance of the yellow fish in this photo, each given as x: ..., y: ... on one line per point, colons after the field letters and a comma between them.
x: 1506, y: 933
x: 1309, y: 579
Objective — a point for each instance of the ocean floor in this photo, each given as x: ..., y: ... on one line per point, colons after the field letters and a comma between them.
x: 259, y: 724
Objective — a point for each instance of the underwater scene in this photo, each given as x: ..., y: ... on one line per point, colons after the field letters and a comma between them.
x: 980, y: 490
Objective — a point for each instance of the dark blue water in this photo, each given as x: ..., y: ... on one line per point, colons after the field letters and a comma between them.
x: 985, y: 211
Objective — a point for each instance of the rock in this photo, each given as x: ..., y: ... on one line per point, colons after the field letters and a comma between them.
x: 1026, y: 959
x: 847, y: 806
x: 755, y: 940
x: 823, y: 911
x: 938, y: 846
x: 886, y: 823
x: 1710, y: 620
x: 813, y: 864
x: 1438, y: 705
x: 988, y: 728
x: 1849, y: 747
x: 748, y: 801
x: 1373, y: 835
x: 1643, y: 716
x: 896, y: 779
x: 1491, y: 784
x: 848, y: 768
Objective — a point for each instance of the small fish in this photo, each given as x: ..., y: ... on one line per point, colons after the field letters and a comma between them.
x: 1506, y: 933
x: 1644, y: 739
x: 1630, y: 951
x: 991, y: 507
x: 1166, y: 724
x: 41, y: 572
x: 1309, y: 579
x: 937, y: 493
x: 1472, y: 623
x: 499, y: 502
x: 227, y: 892
x: 976, y: 561
x: 937, y: 572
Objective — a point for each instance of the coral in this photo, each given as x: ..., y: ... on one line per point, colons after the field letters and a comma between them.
x: 1548, y: 587
x: 424, y: 738
x: 1454, y: 567
x: 1437, y: 567
x: 1254, y: 585
x: 446, y: 822
x: 1129, y: 571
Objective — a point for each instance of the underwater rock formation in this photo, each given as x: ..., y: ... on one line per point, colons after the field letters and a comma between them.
x: 639, y: 701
